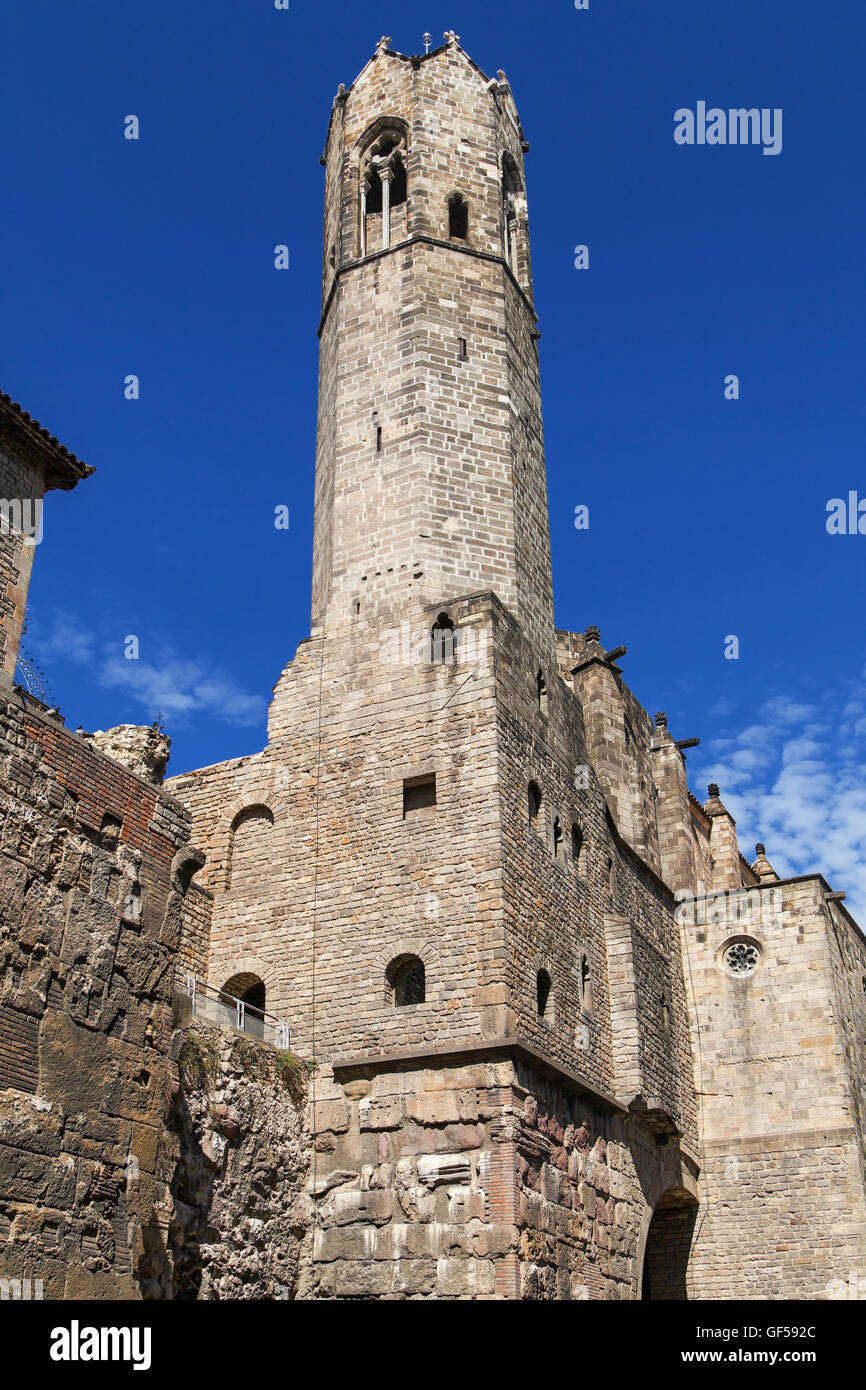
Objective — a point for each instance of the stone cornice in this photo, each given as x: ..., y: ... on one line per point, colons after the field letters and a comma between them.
x: 508, y: 1046
x: 426, y: 239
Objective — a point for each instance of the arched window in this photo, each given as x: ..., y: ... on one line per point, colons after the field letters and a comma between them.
x: 577, y: 847
x: 250, y: 846
x: 458, y: 217
x: 383, y: 190
x: 585, y: 985
x: 511, y: 193
x: 534, y: 804
x: 406, y: 981
x: 541, y: 691
x: 442, y: 640
x: 542, y: 992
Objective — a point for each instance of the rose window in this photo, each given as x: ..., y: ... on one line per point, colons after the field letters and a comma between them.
x: 742, y: 958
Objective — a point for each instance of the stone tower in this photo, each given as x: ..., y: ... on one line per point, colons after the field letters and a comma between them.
x: 430, y: 477
x: 568, y: 1042
x: 467, y: 864
x: 421, y: 870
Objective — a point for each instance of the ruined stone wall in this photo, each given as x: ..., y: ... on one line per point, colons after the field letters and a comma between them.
x: 87, y: 940
x: 784, y: 1210
x: 237, y: 1155
x: 194, y: 947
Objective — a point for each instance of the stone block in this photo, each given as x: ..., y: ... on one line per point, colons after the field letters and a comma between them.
x: 376, y: 1113
x: 464, y: 1278
x: 350, y: 1206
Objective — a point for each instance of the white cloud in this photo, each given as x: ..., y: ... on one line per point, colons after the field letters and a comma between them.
x: 796, y: 780
x: 62, y: 638
x: 183, y: 688
x: 178, y: 688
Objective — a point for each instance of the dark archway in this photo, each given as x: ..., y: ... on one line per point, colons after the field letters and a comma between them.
x: 250, y: 991
x: 668, y: 1246
x: 405, y: 981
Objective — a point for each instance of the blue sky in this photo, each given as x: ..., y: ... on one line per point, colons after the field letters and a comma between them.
x: 707, y: 516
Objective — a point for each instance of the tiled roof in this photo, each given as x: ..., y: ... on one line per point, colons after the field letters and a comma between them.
x: 64, y: 469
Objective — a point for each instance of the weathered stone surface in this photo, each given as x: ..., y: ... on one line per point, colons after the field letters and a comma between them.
x: 238, y: 1155
x: 143, y: 750
x: 434, y: 1169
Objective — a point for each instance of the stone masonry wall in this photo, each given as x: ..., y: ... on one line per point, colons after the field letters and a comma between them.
x: 87, y: 940
x: 20, y: 482
x: 784, y: 1208
x: 558, y: 909
x: 346, y: 883
x: 477, y: 1180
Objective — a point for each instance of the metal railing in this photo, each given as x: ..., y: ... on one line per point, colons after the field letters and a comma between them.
x: 215, y: 1006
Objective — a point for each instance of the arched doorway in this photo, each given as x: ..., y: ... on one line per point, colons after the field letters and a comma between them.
x: 250, y: 990
x: 668, y: 1246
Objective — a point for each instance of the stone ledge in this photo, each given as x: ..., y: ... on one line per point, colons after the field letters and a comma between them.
x: 415, y: 239
x: 780, y: 1142
x: 367, y: 1064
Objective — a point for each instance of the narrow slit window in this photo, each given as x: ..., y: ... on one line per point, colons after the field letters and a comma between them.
x: 542, y: 992
x: 585, y: 985
x: 461, y: 349
x: 558, y: 846
x: 378, y: 439
x: 458, y: 218
x: 576, y: 847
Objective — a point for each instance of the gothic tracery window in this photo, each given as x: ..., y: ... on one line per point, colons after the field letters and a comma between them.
x: 741, y: 958
x: 383, y: 191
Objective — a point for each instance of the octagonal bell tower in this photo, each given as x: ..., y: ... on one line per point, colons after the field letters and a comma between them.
x: 430, y: 476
